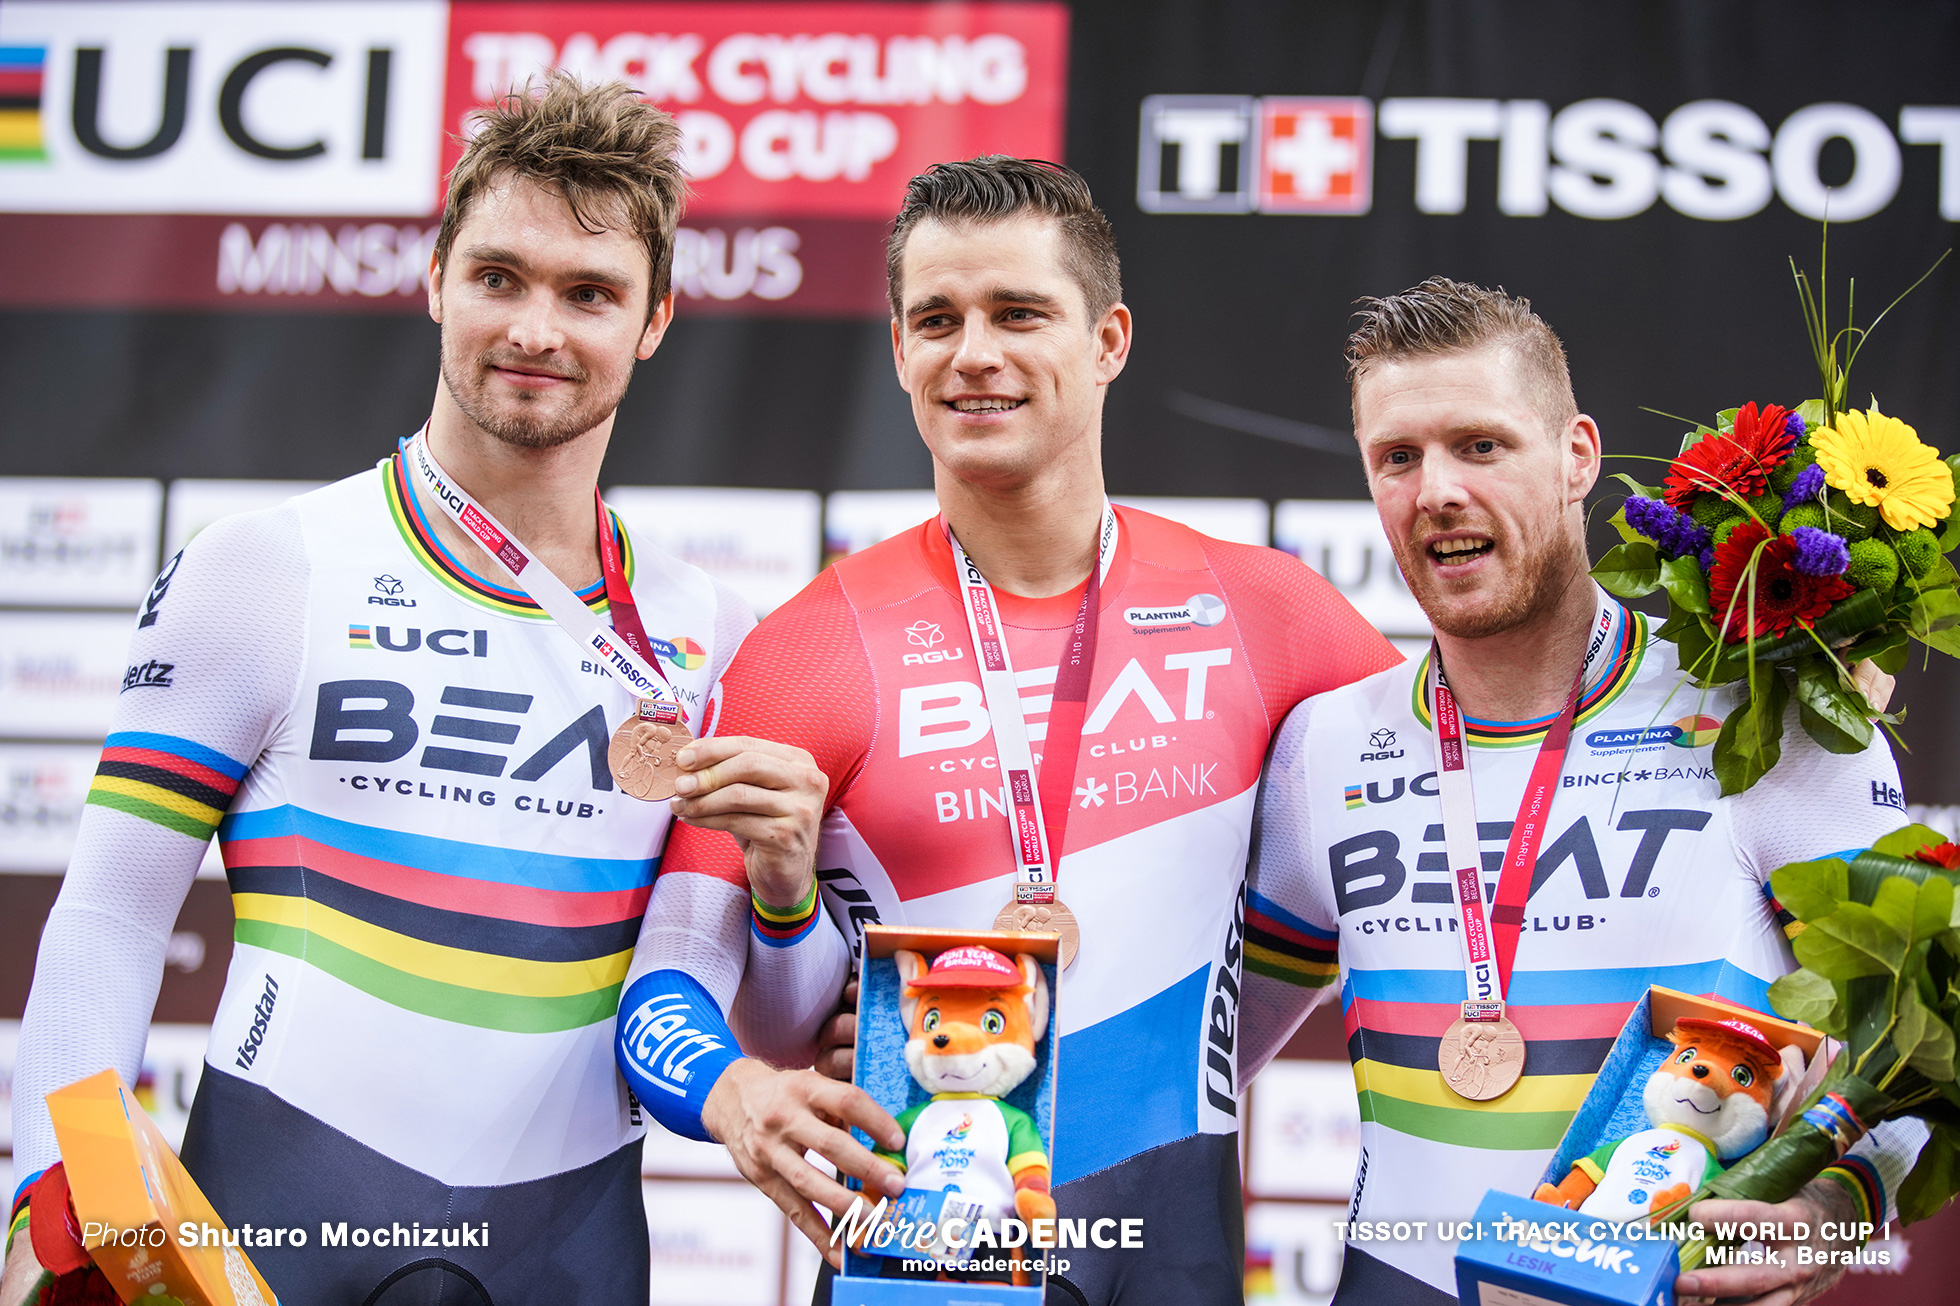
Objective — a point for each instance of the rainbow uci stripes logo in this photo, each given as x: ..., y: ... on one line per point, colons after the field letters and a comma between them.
x: 360, y: 636
x: 20, y: 103
x: 1354, y: 798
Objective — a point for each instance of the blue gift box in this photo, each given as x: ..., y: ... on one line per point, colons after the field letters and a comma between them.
x: 881, y: 1072
x: 1530, y: 1253
x: 1570, y: 1271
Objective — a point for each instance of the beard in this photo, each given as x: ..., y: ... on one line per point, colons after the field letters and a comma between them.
x: 528, y: 421
x: 1532, y: 582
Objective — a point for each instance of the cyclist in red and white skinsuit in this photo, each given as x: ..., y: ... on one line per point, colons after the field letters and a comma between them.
x: 1202, y: 649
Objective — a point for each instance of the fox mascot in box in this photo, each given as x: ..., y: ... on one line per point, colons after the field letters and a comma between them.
x: 1708, y: 1103
x: 973, y: 1019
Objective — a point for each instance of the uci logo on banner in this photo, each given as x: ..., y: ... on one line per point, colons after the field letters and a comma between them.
x: 316, y: 108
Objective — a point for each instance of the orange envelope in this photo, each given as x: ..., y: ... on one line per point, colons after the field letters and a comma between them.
x: 133, y: 1198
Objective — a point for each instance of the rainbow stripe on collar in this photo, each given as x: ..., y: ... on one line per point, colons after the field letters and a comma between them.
x: 435, y: 557
x: 1627, y: 642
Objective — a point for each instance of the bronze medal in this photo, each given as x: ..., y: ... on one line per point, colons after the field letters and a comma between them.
x: 1481, y: 1059
x: 1043, y: 916
x: 645, y: 750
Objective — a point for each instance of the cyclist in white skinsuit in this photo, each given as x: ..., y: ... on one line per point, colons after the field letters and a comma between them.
x: 439, y: 889
x: 1479, y: 463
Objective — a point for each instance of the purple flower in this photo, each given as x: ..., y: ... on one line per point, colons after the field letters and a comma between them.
x: 1805, y: 488
x: 1819, y: 553
x: 1675, y: 533
x: 1707, y: 558
x: 1795, y: 426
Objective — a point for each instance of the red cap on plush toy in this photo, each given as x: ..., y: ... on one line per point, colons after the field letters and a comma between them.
x: 1739, y: 1030
x: 973, y: 967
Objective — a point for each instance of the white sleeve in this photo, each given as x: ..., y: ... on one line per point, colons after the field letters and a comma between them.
x: 221, y: 641
x: 1291, y: 929
x: 790, y: 990
x: 1814, y: 803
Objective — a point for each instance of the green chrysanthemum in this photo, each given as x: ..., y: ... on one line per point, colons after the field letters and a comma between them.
x: 1873, y: 566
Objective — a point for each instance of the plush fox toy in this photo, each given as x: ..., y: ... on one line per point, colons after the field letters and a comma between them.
x: 1708, y: 1103
x: 974, y: 1019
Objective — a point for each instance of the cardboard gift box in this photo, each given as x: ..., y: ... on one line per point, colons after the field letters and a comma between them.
x: 1576, y: 1268
x: 875, y: 1254
x: 134, y: 1200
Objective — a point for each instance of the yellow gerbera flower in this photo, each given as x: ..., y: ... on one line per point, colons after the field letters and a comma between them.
x: 1879, y: 461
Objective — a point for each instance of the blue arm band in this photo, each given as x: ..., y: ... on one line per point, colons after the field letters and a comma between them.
x: 672, y: 1045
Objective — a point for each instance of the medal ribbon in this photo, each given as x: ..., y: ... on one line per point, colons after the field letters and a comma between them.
x: 621, y: 647
x: 1489, y: 953
x: 1039, y: 815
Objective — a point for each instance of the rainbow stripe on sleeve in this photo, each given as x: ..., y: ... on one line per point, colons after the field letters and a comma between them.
x: 1281, y: 946
x: 779, y: 927
x: 175, y: 783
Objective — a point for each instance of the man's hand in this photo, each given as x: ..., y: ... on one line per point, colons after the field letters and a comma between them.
x: 1874, y: 684
x: 770, y: 796
x: 837, y: 1041
x: 1819, y: 1202
x: 21, y: 1281
x: 769, y: 1118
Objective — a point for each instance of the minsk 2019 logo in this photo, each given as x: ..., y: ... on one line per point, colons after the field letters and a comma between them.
x: 1696, y: 731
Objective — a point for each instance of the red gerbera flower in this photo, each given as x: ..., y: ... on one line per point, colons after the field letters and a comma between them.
x: 1946, y: 855
x: 1740, y: 460
x: 1784, y: 595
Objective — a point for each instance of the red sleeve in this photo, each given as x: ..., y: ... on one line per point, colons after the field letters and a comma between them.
x: 801, y: 677
x: 1302, y: 637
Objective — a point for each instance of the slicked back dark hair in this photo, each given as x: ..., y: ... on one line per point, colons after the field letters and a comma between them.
x: 995, y: 187
x: 1441, y: 316
x: 612, y: 158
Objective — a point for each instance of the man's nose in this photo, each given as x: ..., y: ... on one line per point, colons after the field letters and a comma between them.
x: 979, y: 349
x: 535, y: 329
x: 1442, y: 487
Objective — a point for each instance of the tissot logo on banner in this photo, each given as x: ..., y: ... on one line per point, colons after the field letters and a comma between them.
x: 793, y: 109
x: 1715, y: 160
x: 229, y: 108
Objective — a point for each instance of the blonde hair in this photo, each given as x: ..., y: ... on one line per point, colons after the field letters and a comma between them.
x: 1442, y: 316
x: 612, y: 158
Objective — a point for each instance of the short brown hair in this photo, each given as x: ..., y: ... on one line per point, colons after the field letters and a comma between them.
x: 996, y: 186
x: 1441, y: 316
x: 599, y: 148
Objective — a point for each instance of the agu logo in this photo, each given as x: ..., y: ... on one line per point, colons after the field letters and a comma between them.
x: 1696, y: 731
x: 20, y: 103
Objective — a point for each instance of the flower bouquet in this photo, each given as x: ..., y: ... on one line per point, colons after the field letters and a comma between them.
x: 1793, y: 544
x: 1879, y: 949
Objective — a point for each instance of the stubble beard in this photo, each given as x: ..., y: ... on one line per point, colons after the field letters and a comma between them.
x: 527, y: 425
x: 1537, y: 574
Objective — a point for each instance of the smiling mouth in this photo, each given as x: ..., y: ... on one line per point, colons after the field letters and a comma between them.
x: 1697, y: 1110
x: 985, y: 405
x: 1454, y: 553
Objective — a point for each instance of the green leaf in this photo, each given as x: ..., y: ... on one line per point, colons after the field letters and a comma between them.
x: 1922, y: 1038
x: 1627, y: 533
x: 1644, y: 491
x: 1752, y: 738
x: 1629, y: 570
x: 1806, y: 996
x: 1812, y: 412
x: 1907, y: 840
x: 1942, y: 641
x: 1894, y: 905
x: 1828, y: 714
x: 1940, y: 575
x: 1725, y: 420
x: 1810, y: 890
x: 1933, y: 610
x: 1934, y: 1178
x: 1887, y: 649
x: 1694, y: 437
x: 1684, y: 583
x: 1851, y: 941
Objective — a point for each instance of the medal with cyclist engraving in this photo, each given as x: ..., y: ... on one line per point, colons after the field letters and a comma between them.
x: 645, y: 750
x: 1052, y: 915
